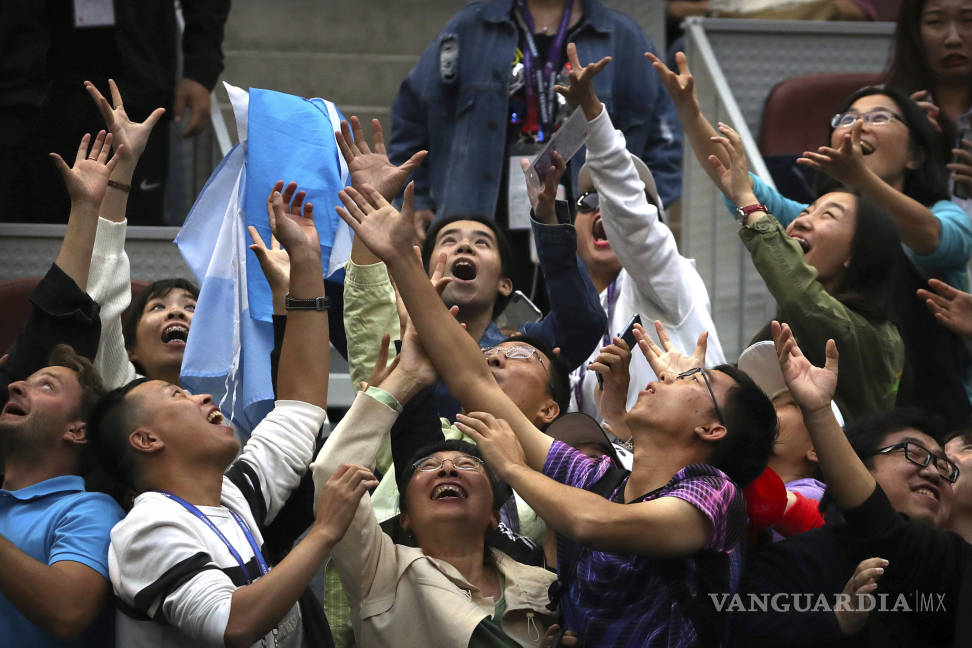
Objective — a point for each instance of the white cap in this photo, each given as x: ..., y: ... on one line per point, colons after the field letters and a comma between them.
x: 761, y: 363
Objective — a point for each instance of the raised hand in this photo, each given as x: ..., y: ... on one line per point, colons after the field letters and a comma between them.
x: 373, y: 168
x: 274, y: 261
x: 386, y: 231
x: 339, y: 499
x: 812, y: 387
x: 581, y: 92
x: 87, y: 180
x: 845, y: 163
x: 950, y: 306
x: 612, y: 395
x: 289, y: 223
x: 496, y: 440
x: 133, y: 136
x: 857, y: 594
x: 923, y: 99
x: 545, y: 205
x: 733, y: 180
x: 680, y: 86
x: 667, y: 359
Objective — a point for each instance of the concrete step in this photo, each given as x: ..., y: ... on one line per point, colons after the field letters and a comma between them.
x: 362, y: 26
x: 362, y: 79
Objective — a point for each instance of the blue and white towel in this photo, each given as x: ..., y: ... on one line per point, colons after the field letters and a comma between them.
x: 282, y: 137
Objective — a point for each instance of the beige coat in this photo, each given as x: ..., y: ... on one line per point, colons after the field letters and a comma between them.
x: 398, y: 595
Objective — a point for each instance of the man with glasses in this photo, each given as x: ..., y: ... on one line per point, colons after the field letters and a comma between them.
x: 892, y: 482
x: 630, y: 253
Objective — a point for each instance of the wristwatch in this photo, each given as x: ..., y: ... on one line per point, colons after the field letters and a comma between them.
x: 317, y: 303
x: 743, y: 212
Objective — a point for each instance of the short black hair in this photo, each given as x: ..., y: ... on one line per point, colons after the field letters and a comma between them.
x: 112, y: 422
x: 501, y: 491
x: 867, y: 433
x: 558, y: 384
x: 159, y: 288
x: 751, y: 429
x: 502, y: 246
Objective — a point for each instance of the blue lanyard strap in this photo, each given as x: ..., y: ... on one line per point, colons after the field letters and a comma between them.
x: 264, y: 568
x: 542, y: 92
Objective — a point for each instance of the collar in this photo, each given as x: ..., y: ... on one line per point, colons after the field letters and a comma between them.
x: 62, y: 484
x: 595, y: 14
x: 491, y: 336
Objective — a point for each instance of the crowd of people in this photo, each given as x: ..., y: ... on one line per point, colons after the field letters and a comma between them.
x: 598, y: 475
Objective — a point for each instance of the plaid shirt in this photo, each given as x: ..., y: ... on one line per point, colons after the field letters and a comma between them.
x: 622, y: 599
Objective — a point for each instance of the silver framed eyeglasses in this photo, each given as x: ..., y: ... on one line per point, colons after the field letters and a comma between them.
x: 516, y: 352
x: 877, y: 117
x: 922, y: 456
x: 462, y: 462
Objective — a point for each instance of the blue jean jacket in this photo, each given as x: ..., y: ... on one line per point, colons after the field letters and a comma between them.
x: 463, y: 123
x: 576, y: 320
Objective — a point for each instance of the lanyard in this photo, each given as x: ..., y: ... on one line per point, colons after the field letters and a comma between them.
x: 219, y: 534
x: 612, y: 300
x: 539, y: 84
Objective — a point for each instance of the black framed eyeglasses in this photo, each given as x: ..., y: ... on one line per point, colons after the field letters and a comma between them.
x: 708, y: 385
x: 588, y: 202
x: 922, y: 456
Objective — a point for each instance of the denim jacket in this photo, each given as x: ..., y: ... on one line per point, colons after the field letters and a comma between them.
x: 463, y: 123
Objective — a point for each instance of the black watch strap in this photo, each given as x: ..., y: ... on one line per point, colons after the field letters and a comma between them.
x: 317, y: 303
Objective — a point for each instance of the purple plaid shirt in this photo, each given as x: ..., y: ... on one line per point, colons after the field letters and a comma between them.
x: 622, y: 599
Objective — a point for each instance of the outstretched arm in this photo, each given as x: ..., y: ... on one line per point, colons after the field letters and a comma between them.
x: 920, y: 229
x: 456, y: 356
x: 664, y: 527
x: 303, y: 376
x: 696, y: 127
x: 813, y: 388
x: 86, y: 183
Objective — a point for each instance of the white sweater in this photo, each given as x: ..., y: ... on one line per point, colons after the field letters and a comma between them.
x: 655, y: 279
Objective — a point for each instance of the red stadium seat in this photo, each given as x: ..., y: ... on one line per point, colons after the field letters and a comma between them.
x: 15, y: 306
x: 797, y: 114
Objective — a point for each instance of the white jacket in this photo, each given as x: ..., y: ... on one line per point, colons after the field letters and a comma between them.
x: 655, y: 279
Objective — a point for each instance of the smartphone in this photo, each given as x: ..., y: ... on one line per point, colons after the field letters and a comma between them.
x: 964, y: 189
x: 628, y: 336
x: 519, y: 310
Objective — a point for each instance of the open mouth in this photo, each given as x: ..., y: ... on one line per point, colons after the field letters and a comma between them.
x: 175, y: 334
x: 803, y: 243
x: 598, y: 234
x: 13, y: 409
x: 464, y: 270
x: 215, y: 416
x: 927, y: 491
x: 866, y: 148
x: 448, y: 491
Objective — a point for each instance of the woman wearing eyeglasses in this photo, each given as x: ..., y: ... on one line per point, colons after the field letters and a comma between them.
x: 883, y: 147
x: 446, y: 587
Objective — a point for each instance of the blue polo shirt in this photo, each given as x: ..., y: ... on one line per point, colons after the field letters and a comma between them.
x: 51, y: 521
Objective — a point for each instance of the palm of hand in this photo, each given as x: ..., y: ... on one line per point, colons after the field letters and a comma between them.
x: 812, y: 387
x: 278, y: 264
x: 376, y: 170
x: 675, y: 362
x: 386, y: 230
x: 133, y: 135
x: 88, y: 179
